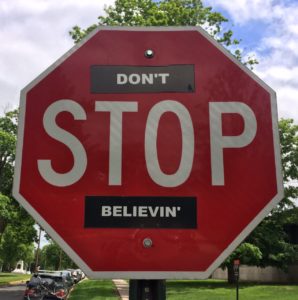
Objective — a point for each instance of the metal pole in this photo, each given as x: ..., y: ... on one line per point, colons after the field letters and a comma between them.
x: 37, y: 251
x: 147, y: 290
x: 236, y: 267
x: 237, y: 288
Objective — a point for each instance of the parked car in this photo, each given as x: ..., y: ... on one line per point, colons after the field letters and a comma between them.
x: 80, y: 275
x: 74, y: 275
x: 67, y: 277
x: 46, y: 286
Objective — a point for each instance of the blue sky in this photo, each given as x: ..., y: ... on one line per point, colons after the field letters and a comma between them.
x: 34, y: 33
x: 269, y: 30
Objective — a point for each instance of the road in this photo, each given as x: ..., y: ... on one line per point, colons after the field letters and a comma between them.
x: 12, y: 292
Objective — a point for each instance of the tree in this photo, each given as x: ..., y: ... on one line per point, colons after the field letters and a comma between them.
x: 17, y: 231
x: 167, y: 13
x: 270, y: 238
x: 273, y: 242
x: 16, y: 245
x: 288, y: 132
x: 5, y: 212
x: 8, y: 138
x: 270, y: 235
x: 8, y: 131
x: 247, y: 253
x: 54, y: 258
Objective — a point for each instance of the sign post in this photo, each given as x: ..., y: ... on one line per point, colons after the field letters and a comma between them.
x: 148, y: 153
x: 236, y: 267
x: 147, y: 290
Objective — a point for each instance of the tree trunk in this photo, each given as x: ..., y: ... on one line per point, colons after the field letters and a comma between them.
x: 2, y: 226
x: 60, y: 260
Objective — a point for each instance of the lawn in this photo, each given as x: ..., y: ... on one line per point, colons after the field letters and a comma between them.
x: 6, y: 278
x: 94, y: 290
x: 220, y: 290
x: 192, y: 290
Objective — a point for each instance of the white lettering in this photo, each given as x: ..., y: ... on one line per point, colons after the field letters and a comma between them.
x: 164, y: 77
x: 78, y: 151
x: 125, y: 212
x: 121, y: 79
x: 171, y: 212
x: 218, y: 142
x: 143, y: 79
x: 117, y: 211
x: 106, y: 211
x: 153, y: 211
x: 147, y: 78
x: 161, y: 211
x: 143, y: 211
x: 186, y: 162
x: 116, y: 110
x: 134, y: 79
x: 140, y: 211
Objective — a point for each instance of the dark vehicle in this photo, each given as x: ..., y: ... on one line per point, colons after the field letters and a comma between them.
x: 46, y: 286
x: 69, y: 280
x: 66, y: 274
x: 74, y: 275
x: 80, y: 275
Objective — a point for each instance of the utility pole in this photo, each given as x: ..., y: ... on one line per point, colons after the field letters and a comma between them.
x: 147, y: 289
x: 37, y: 250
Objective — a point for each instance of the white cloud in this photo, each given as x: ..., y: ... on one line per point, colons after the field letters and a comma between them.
x: 282, y: 74
x: 242, y: 11
x: 277, y: 50
x: 34, y: 33
x: 279, y: 58
x: 287, y: 101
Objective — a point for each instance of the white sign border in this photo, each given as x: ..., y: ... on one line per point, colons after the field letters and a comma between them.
x: 152, y: 274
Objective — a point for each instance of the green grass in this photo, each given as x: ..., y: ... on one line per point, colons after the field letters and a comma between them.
x: 220, y: 290
x: 192, y: 290
x: 94, y: 290
x: 6, y: 278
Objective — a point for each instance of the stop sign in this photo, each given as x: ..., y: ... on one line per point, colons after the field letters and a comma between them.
x: 148, y: 153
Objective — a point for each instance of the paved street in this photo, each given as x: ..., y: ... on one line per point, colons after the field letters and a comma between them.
x: 12, y: 293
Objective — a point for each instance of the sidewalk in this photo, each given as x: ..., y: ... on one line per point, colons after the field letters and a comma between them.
x: 122, y: 288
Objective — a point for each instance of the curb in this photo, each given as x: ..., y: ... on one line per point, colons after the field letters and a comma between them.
x: 12, y: 283
x: 72, y: 288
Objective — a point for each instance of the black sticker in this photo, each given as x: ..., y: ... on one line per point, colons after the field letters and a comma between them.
x: 142, y: 79
x: 140, y: 212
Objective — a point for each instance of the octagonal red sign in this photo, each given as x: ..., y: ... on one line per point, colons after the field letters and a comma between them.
x: 148, y: 153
